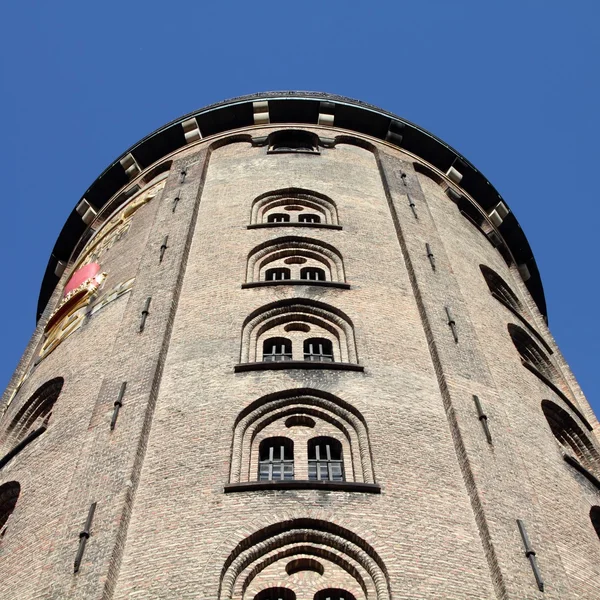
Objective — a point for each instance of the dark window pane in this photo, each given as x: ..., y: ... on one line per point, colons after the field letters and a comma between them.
x: 325, y: 461
x: 333, y: 594
x: 312, y: 274
x: 277, y: 349
x: 276, y: 594
x: 318, y: 349
x: 309, y: 218
x: 276, y: 459
x: 278, y: 218
x: 277, y: 274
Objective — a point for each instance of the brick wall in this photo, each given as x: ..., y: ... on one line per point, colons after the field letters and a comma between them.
x: 179, y: 512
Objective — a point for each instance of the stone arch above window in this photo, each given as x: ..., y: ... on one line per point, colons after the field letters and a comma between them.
x: 294, y: 203
x: 298, y: 319
x: 500, y: 289
x: 595, y: 518
x: 350, y: 563
x: 306, y: 414
x: 305, y: 259
x: 571, y: 437
x: 9, y: 495
x: 33, y: 414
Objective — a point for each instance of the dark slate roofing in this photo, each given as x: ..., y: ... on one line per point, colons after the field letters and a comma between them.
x: 296, y: 107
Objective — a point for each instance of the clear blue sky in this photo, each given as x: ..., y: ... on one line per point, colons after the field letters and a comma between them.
x: 512, y: 85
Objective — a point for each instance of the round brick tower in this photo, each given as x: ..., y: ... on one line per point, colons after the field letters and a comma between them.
x: 291, y: 346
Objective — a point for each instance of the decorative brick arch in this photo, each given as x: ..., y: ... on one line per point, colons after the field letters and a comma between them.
x: 309, y: 552
x: 571, y: 437
x: 335, y: 324
x: 301, y: 402
x: 305, y: 536
x: 287, y: 249
x: 286, y: 198
x: 500, y: 289
x: 34, y: 412
x: 533, y: 356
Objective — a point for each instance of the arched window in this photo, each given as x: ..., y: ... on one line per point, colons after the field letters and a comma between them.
x: 532, y: 354
x: 276, y: 459
x: 318, y: 349
x: 500, y: 289
x: 325, y: 461
x: 277, y: 349
x: 571, y: 437
x: 34, y: 413
x: 312, y: 274
x: 304, y: 257
x: 277, y: 274
x: 276, y: 594
x: 595, y: 517
x: 334, y: 594
x: 293, y: 203
x: 293, y: 140
x: 278, y: 218
x: 298, y: 413
x: 309, y: 218
x: 300, y: 320
x: 9, y: 494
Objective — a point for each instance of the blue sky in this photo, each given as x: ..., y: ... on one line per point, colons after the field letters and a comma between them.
x: 512, y: 85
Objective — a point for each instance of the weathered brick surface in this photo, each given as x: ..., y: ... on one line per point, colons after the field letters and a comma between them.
x: 444, y: 524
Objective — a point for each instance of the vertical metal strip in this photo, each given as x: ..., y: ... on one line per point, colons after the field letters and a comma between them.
x: 83, y: 537
x: 117, y: 406
x: 430, y: 256
x: 163, y: 248
x: 145, y: 313
x: 530, y: 554
x: 483, y: 418
x: 452, y: 324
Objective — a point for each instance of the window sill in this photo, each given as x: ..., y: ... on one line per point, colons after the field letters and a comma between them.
x: 297, y: 364
x: 581, y: 469
x: 295, y: 484
x: 524, y: 321
x: 333, y: 284
x: 317, y: 225
x: 558, y: 392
